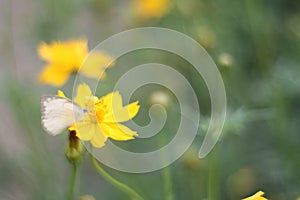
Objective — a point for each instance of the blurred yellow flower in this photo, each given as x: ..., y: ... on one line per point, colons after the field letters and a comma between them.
x: 103, y: 117
x: 151, y: 8
x: 64, y: 58
x: 87, y: 197
x: 257, y: 196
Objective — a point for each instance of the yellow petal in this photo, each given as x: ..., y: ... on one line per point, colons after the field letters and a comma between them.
x: 151, y: 8
x: 54, y: 76
x: 45, y: 52
x: 117, y: 131
x: 86, y: 130
x: 61, y: 94
x: 64, y: 53
x: 111, y: 101
x: 257, y: 196
x: 107, y: 103
x: 72, y: 128
x: 95, y: 65
x: 99, y: 139
x: 124, y: 114
x: 115, y: 102
x: 84, y: 96
x: 78, y: 49
x: 83, y: 93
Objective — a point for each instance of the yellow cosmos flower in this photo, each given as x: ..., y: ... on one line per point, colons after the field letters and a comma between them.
x: 257, y: 196
x: 64, y: 58
x: 103, y: 117
x: 151, y: 8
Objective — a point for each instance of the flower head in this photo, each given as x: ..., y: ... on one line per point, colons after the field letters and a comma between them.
x: 103, y: 117
x: 151, y: 8
x: 64, y: 58
x: 257, y: 196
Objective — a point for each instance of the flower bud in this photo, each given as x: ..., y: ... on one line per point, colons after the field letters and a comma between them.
x: 243, y: 181
x: 160, y: 97
x: 225, y: 60
x: 191, y: 161
x: 73, y: 147
x: 206, y: 37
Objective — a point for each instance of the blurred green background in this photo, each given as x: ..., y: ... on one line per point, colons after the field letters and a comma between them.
x: 256, y: 46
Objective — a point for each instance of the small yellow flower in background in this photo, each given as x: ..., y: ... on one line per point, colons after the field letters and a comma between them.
x: 64, y: 58
x: 151, y: 8
x: 257, y: 196
x: 87, y: 197
x: 103, y: 117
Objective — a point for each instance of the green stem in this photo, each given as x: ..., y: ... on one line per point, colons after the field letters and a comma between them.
x: 121, y: 186
x: 166, y: 174
x: 72, y: 182
x: 167, y: 183
x: 213, y: 190
x: 260, y: 37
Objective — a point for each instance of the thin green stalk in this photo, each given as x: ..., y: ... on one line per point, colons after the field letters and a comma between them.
x: 261, y: 39
x: 121, y: 186
x: 166, y: 174
x: 213, y: 190
x: 79, y: 180
x: 72, y: 182
x: 167, y: 183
